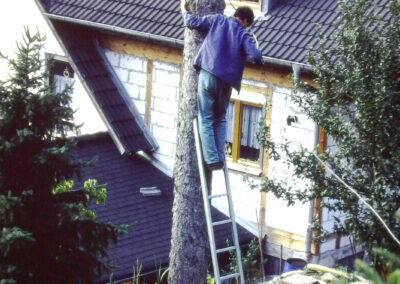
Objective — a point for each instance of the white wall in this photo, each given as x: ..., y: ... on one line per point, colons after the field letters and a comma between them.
x: 295, y: 218
x: 328, y: 217
x: 132, y: 71
x: 16, y: 14
x: 163, y: 111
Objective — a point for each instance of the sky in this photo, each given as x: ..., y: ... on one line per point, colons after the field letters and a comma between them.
x: 14, y: 15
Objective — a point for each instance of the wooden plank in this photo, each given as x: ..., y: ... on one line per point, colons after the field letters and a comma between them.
x: 236, y: 132
x: 322, y: 140
x: 149, y: 86
x: 149, y: 50
x: 278, y: 75
x: 286, y: 239
x: 263, y: 197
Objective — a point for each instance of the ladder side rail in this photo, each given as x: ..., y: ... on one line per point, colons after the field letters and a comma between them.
x: 206, y: 202
x: 234, y: 227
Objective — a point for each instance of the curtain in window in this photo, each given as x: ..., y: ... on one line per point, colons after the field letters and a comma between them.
x: 251, y: 116
x: 60, y: 82
x: 230, y: 114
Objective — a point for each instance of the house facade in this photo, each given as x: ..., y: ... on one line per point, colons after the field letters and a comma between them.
x: 128, y: 56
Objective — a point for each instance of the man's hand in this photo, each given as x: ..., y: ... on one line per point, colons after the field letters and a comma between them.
x: 183, y: 6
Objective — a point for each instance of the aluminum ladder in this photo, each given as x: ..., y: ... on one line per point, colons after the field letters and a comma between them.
x: 210, y: 224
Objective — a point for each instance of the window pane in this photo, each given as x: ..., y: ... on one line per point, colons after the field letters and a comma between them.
x: 60, y: 83
x: 249, y: 146
x: 230, y: 114
x: 61, y: 75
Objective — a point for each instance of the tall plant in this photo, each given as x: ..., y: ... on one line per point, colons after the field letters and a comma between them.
x: 357, y: 103
x: 46, y: 234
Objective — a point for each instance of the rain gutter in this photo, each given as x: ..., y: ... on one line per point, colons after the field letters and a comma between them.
x: 142, y: 35
x: 164, y: 39
x: 286, y: 63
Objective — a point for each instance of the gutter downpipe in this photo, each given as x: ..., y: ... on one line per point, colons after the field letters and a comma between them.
x: 296, y: 73
x: 296, y: 76
x: 311, y: 207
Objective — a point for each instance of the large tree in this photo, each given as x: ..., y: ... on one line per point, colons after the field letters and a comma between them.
x: 189, y: 242
x: 48, y: 234
x: 357, y: 103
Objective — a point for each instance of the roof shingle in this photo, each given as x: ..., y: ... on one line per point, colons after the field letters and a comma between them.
x: 149, y: 239
x: 118, y: 110
x: 162, y: 18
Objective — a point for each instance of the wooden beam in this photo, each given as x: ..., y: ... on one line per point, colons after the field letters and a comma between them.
x: 236, y: 132
x: 149, y: 50
x: 278, y: 75
x: 322, y: 142
x: 263, y: 197
x: 287, y: 239
x: 148, y: 90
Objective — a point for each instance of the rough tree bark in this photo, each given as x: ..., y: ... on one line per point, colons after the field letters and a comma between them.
x: 189, y: 241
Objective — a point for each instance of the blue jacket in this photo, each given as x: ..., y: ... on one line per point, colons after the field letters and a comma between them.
x: 225, y: 48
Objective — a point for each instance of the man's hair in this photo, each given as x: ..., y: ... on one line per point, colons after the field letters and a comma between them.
x: 245, y: 13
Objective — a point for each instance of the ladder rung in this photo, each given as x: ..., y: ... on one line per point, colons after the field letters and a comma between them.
x: 217, y: 195
x: 233, y: 275
x: 225, y: 249
x: 222, y: 222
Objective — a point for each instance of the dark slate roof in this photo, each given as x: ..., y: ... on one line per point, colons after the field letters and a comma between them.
x: 149, y: 238
x: 289, y: 30
x: 284, y: 34
x: 123, y: 120
x: 156, y: 17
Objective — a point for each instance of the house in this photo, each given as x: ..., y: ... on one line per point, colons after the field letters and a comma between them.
x: 138, y: 193
x: 148, y: 241
x: 129, y: 57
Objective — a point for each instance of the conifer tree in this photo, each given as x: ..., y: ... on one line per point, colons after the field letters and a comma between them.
x: 47, y: 235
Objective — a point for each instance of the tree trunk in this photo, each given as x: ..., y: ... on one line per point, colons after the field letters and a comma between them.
x: 189, y: 241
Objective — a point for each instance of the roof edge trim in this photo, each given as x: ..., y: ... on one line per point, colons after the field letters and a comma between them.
x: 131, y: 106
x: 146, y: 36
x: 286, y: 63
x: 167, y: 40
x: 156, y: 163
x: 113, y: 134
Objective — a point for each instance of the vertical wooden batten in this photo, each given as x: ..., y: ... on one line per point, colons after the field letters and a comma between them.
x: 263, y: 197
x: 148, y: 90
x: 236, y: 133
x: 322, y: 141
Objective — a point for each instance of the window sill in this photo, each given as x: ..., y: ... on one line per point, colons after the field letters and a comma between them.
x: 248, y: 169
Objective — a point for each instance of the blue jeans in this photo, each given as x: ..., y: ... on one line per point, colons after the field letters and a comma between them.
x: 213, y: 100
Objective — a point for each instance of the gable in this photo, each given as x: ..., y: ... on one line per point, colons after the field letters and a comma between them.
x: 127, y: 128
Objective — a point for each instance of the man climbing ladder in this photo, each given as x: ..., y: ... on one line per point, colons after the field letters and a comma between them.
x: 221, y: 61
